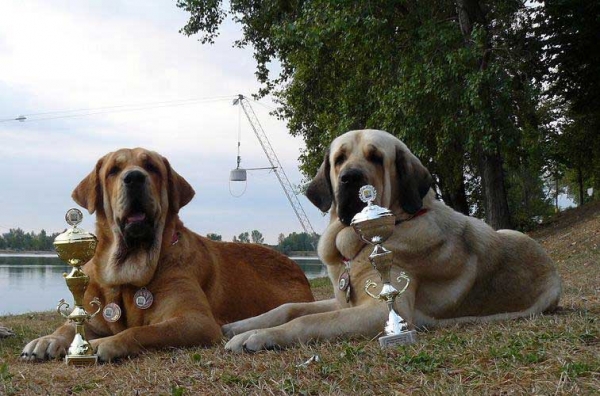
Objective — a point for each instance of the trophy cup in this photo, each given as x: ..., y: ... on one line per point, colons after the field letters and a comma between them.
x: 375, y: 225
x: 76, y: 246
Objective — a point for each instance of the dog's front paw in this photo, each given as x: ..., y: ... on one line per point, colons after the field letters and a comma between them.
x: 47, y: 347
x: 108, y: 349
x: 253, y: 341
x: 231, y: 329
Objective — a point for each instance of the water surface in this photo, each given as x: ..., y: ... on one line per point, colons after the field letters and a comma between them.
x: 34, y: 282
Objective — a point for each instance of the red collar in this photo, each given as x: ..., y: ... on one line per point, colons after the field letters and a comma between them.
x: 175, y: 237
x: 419, y: 213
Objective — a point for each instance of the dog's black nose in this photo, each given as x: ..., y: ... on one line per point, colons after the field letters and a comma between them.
x: 351, y: 175
x: 134, y: 178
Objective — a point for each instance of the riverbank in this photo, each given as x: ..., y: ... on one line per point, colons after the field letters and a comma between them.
x: 27, y: 252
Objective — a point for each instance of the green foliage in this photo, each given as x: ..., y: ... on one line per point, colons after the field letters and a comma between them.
x: 462, y: 83
x: 578, y: 369
x: 17, y: 239
x: 5, y: 375
x: 297, y: 242
x: 177, y: 390
x: 244, y: 237
x: 257, y: 237
x: 568, y: 29
x: 214, y: 237
x: 423, y: 362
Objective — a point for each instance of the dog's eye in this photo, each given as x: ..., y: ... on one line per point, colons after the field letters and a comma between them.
x: 376, y: 158
x: 339, y: 160
x: 150, y: 167
x: 113, y: 171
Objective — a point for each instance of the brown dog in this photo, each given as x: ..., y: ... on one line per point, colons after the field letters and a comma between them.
x: 197, y: 284
x: 461, y: 270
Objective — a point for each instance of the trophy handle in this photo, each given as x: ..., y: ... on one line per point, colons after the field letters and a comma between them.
x: 97, y: 303
x: 369, y: 284
x: 405, y: 277
x: 62, y: 311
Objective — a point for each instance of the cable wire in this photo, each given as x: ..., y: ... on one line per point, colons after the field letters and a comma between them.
x: 114, y: 109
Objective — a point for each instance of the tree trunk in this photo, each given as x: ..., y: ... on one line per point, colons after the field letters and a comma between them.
x: 490, y: 162
x: 580, y: 184
x: 556, y: 197
x: 456, y: 198
x: 497, y: 214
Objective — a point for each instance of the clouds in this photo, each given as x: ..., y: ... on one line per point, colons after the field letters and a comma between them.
x: 106, y: 57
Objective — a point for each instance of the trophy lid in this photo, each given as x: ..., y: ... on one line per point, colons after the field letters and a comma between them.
x: 75, y: 245
x: 368, y: 194
x: 374, y: 224
x: 74, y: 234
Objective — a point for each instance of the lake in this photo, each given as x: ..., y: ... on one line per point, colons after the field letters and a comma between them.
x: 34, y: 282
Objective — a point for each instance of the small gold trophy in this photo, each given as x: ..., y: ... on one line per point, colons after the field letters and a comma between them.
x: 76, y: 247
x: 375, y: 225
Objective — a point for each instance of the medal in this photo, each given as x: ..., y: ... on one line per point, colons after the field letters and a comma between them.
x: 143, y: 299
x: 344, y: 280
x: 111, y: 312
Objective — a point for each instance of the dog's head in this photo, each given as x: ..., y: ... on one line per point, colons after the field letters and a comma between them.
x: 135, y: 192
x: 357, y: 158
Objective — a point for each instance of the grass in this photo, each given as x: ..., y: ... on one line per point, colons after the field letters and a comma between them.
x: 557, y: 354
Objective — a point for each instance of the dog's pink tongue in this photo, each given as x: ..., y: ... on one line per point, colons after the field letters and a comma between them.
x: 136, y: 217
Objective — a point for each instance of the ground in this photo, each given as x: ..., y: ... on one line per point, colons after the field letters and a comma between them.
x: 555, y: 354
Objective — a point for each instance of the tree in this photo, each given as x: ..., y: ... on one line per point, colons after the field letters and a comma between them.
x: 17, y: 239
x: 451, y: 80
x: 568, y: 30
x: 300, y: 242
x: 580, y: 155
x: 244, y: 237
x: 280, y: 239
x: 214, y: 237
x: 257, y: 237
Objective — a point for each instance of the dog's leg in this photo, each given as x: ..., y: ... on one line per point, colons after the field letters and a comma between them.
x: 189, y: 329
x: 280, y: 315
x: 365, y: 320
x: 405, y: 304
x: 55, y: 345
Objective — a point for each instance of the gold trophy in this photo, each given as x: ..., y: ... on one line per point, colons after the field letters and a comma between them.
x: 375, y: 225
x: 76, y: 247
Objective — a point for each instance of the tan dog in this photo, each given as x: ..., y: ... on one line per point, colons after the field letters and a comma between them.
x: 197, y: 284
x: 460, y: 269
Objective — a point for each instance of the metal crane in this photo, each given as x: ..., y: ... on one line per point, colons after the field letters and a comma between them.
x: 275, y: 164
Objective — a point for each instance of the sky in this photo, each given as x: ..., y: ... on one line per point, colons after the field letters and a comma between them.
x: 92, y: 77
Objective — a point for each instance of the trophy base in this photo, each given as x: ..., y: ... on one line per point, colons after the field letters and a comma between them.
x: 404, y: 338
x: 85, y: 360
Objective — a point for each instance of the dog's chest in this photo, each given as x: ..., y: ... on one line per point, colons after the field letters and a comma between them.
x: 125, y: 307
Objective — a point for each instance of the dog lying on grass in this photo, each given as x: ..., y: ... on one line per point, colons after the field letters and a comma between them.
x: 461, y: 270
x: 190, y: 285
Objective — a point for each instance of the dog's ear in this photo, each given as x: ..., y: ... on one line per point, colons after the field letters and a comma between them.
x: 88, y: 193
x: 414, y: 181
x: 180, y: 191
x: 319, y: 190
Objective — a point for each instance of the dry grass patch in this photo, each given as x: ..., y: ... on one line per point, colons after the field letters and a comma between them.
x: 555, y: 354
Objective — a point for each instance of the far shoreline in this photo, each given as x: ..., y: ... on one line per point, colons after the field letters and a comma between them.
x: 6, y: 252
x: 27, y: 252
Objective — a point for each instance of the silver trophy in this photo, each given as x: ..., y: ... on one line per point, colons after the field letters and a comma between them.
x: 375, y: 225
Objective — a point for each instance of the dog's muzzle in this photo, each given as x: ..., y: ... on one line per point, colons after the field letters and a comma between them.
x: 350, y: 181
x: 136, y: 224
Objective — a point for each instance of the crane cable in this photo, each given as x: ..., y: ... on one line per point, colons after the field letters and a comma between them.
x: 239, y: 158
